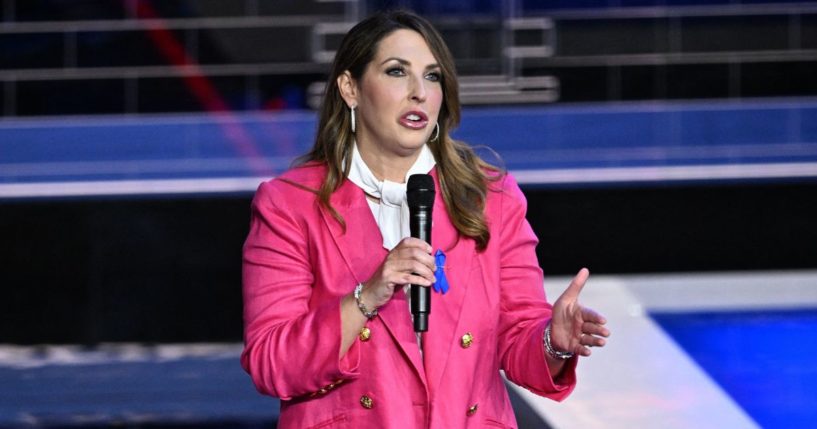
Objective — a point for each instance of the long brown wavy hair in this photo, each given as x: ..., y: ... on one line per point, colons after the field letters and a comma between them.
x: 463, y: 175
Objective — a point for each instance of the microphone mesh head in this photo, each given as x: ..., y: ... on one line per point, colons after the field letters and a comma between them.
x: 420, y: 190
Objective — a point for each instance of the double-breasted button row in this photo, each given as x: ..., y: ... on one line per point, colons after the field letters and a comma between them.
x: 365, y: 400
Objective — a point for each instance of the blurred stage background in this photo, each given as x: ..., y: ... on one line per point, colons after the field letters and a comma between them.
x: 670, y: 146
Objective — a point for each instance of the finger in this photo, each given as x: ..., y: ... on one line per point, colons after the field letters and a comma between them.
x: 412, y: 242
x: 418, y: 268
x: 592, y: 341
x: 400, y: 279
x: 411, y: 260
x: 595, y: 329
x: 399, y: 269
x: 576, y: 285
x: 590, y: 315
x: 413, y: 279
x: 399, y: 255
x: 421, y: 256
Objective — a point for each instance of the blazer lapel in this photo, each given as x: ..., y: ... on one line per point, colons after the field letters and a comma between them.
x: 361, y: 247
x: 360, y: 244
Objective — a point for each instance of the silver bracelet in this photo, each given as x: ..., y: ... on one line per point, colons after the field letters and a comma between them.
x: 361, y: 305
x: 549, y: 347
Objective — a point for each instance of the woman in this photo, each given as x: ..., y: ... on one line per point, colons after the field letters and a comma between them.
x: 327, y: 322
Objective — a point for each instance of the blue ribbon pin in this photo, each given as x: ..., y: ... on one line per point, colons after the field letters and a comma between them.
x: 440, y: 283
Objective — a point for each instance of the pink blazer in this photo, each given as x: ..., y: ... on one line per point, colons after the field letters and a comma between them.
x: 298, y: 263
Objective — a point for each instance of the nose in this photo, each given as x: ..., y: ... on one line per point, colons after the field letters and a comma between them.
x: 418, y: 89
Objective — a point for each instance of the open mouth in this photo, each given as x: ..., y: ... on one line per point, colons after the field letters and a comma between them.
x: 414, y: 120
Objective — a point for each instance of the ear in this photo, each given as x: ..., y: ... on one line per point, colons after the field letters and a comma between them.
x: 348, y: 88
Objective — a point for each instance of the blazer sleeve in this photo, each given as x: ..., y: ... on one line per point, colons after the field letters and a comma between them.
x: 291, y: 347
x: 524, y: 311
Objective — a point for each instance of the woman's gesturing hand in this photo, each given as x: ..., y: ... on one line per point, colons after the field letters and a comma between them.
x: 575, y: 328
x: 410, y: 262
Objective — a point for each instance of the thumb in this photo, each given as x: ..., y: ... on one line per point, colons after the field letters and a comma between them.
x: 576, y: 285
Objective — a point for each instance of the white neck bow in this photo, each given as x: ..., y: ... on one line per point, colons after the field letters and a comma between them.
x: 393, y: 214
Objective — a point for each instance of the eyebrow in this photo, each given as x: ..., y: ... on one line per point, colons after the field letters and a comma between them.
x: 408, y: 63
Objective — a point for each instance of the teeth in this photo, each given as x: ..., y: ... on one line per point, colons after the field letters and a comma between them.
x: 413, y: 117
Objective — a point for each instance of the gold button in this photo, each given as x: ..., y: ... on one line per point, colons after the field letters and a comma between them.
x: 365, y: 334
x: 366, y: 402
x: 466, y: 340
x: 472, y: 409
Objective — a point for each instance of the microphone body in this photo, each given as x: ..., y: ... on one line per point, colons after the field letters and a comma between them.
x: 420, y: 196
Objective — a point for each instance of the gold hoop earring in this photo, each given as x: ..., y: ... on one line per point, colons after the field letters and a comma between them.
x: 353, y: 118
x: 437, y: 132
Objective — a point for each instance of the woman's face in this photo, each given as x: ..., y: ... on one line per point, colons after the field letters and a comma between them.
x: 398, y: 97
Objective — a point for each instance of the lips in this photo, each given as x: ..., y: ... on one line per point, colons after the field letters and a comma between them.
x: 415, y: 120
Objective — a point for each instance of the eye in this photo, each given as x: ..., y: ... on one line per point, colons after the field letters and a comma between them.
x: 395, y: 71
x: 434, y: 76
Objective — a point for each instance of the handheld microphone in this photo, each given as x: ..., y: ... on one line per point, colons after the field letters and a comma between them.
x: 420, y: 195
